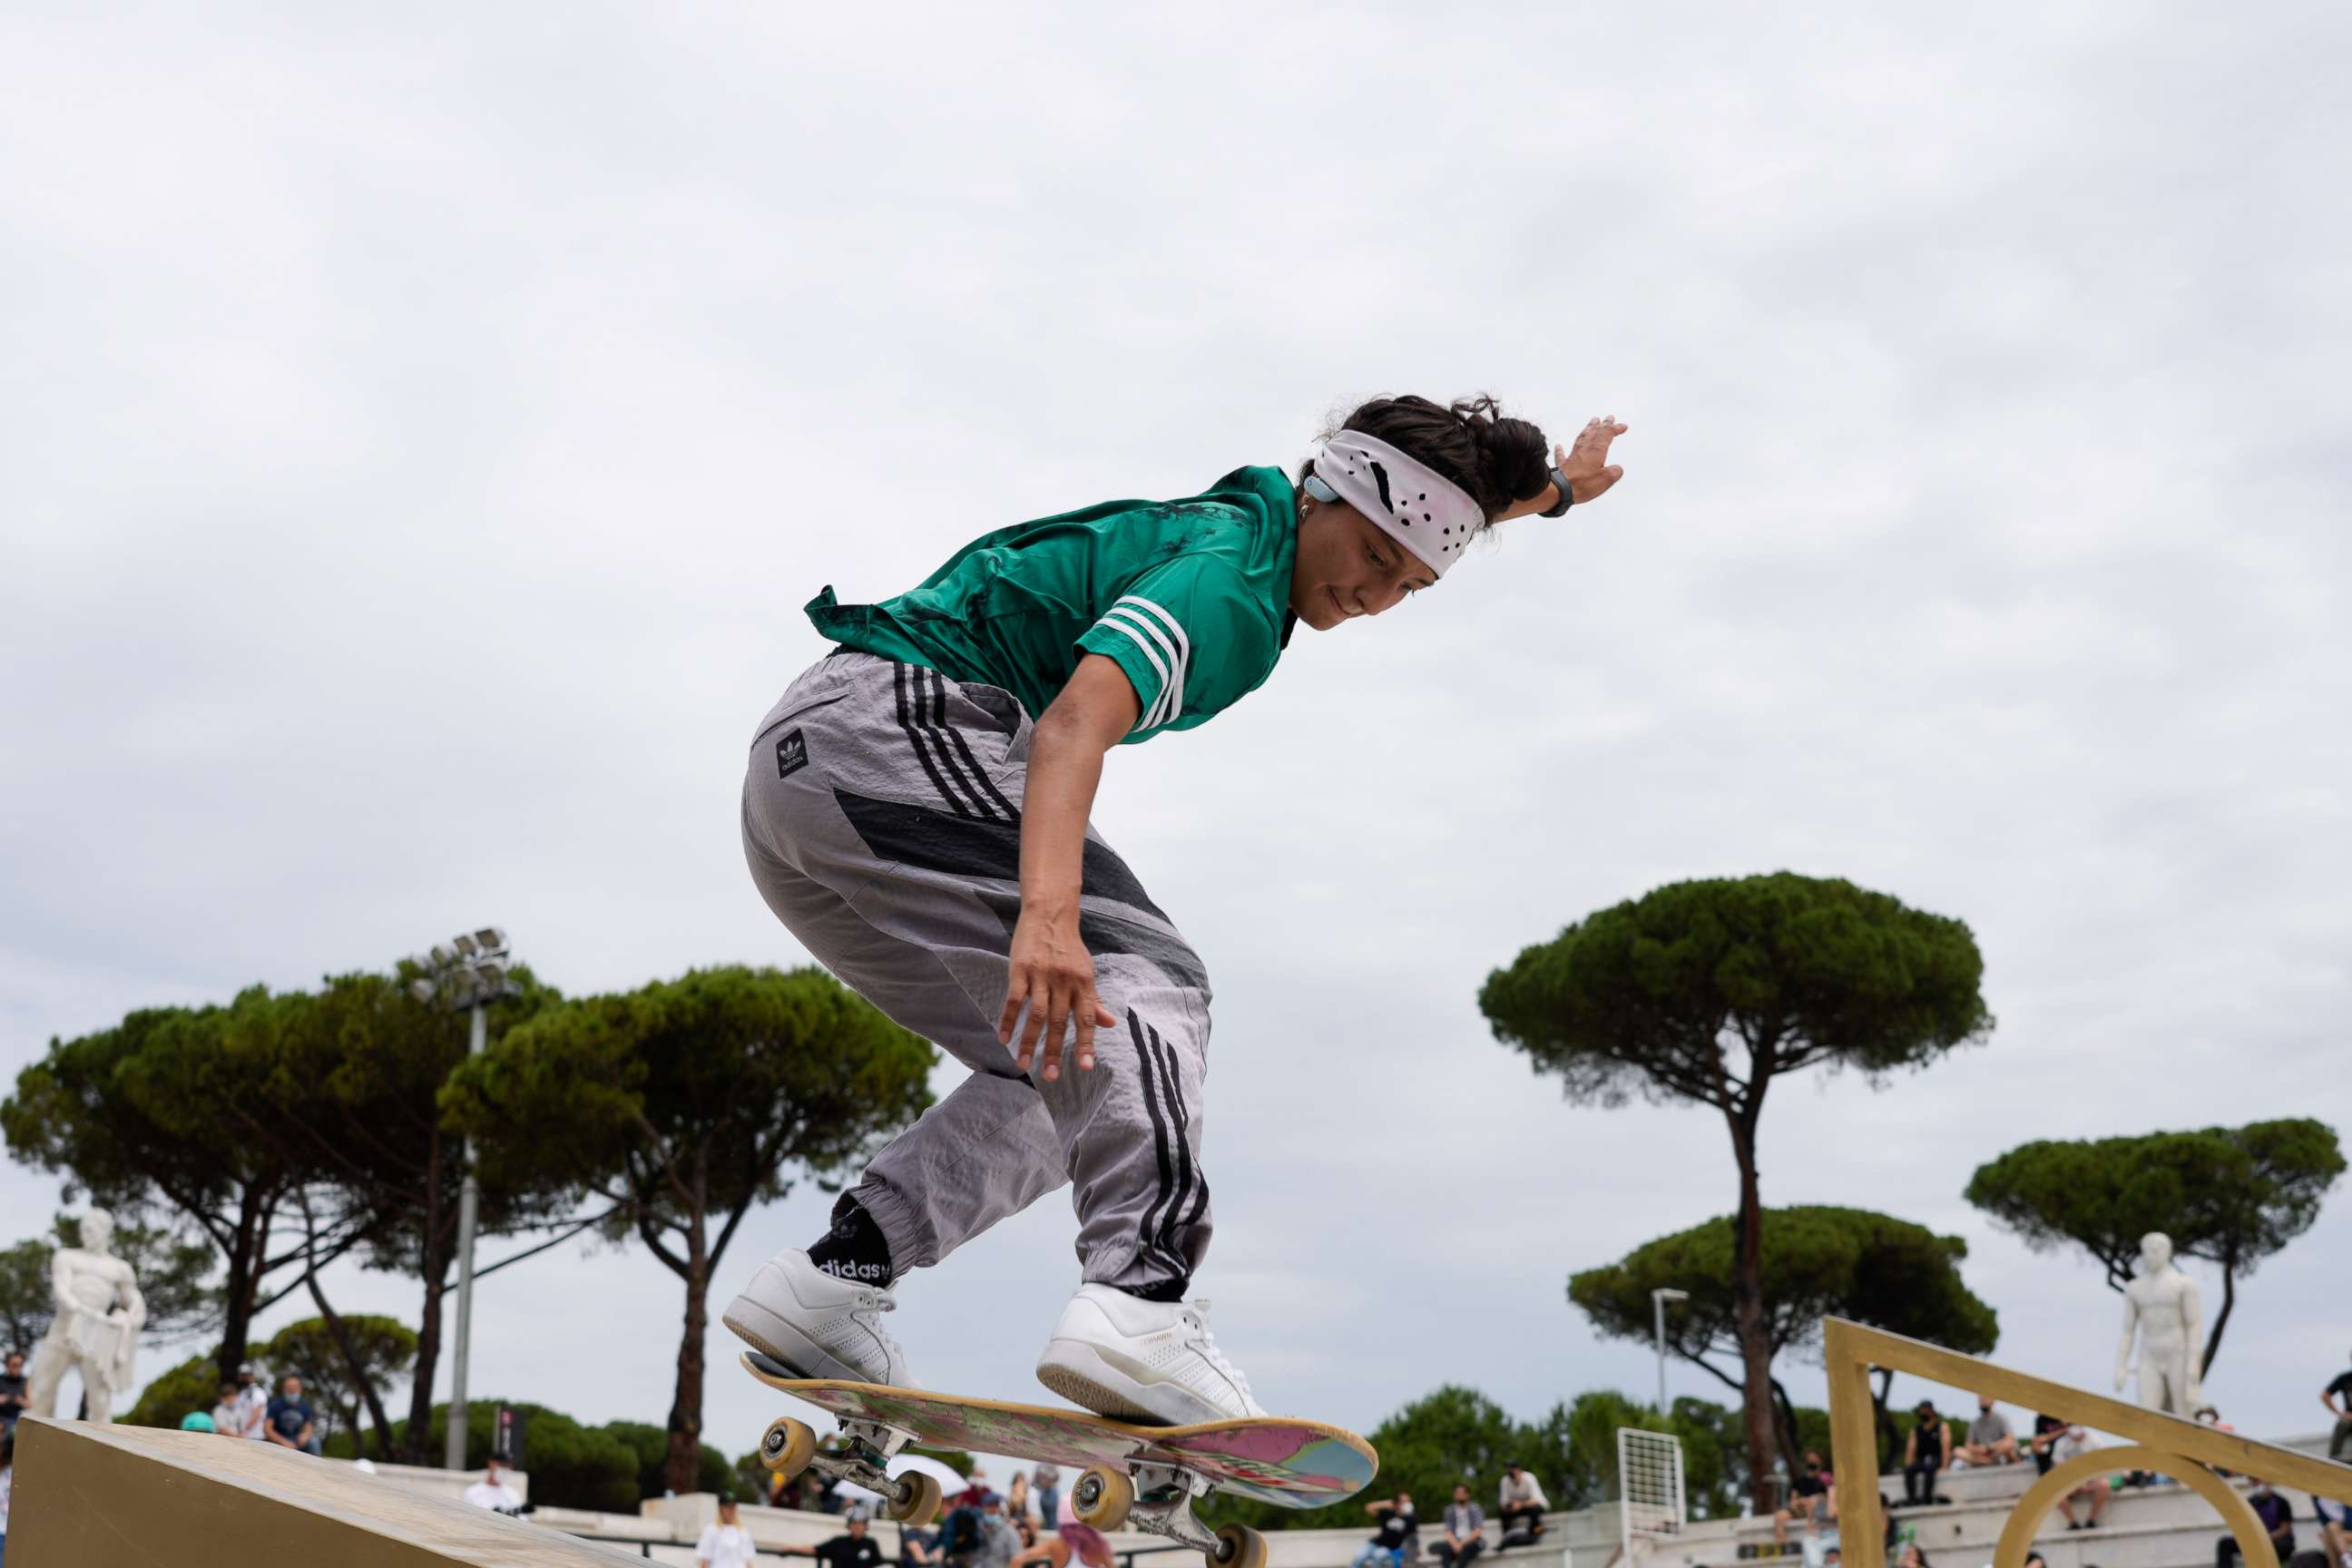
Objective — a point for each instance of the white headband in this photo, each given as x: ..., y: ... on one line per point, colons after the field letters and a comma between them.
x: 1409, y: 500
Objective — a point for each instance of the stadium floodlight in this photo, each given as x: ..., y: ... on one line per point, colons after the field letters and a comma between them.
x: 466, y: 973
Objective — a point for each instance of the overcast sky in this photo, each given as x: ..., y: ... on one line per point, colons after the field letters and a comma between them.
x: 419, y: 432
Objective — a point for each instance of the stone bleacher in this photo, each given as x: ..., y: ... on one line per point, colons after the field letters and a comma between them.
x: 2162, y: 1526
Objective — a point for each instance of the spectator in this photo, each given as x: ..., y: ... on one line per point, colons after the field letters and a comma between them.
x: 1073, y: 1540
x: 2070, y: 1442
x: 1521, y: 1504
x: 1026, y: 1528
x: 1000, y: 1543
x: 254, y: 1421
x: 1016, y: 1497
x: 2276, y: 1517
x: 2047, y: 1429
x: 196, y: 1421
x: 854, y: 1550
x: 2035, y: 1559
x: 1833, y: 1557
x: 228, y: 1411
x: 291, y: 1422
x: 1990, y: 1441
x: 1466, y: 1530
x: 2335, y: 1530
x: 2341, y: 1389
x: 2208, y: 1416
x: 1396, y: 1530
x: 1048, y: 1482
x: 1926, y: 1449
x: 12, y: 1400
x: 917, y: 1548
x: 726, y: 1544
x: 7, y: 1481
x: 975, y: 1487
x: 961, y: 1536
x: 492, y: 1491
x: 1810, y: 1495
x: 1912, y: 1557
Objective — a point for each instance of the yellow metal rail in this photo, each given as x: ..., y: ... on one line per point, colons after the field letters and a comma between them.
x: 2166, y: 1444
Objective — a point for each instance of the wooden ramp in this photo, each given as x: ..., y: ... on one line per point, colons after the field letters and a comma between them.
x: 87, y: 1496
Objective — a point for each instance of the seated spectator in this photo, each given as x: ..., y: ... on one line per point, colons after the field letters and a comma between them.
x: 2276, y: 1517
x: 253, y: 1398
x: 726, y: 1544
x: 14, y: 1400
x: 1521, y: 1505
x: 196, y: 1421
x: 1397, y: 1530
x: 1831, y: 1557
x: 962, y: 1538
x: 1810, y: 1498
x: 2340, y: 1388
x: 492, y: 1491
x: 1466, y: 1530
x: 999, y: 1542
x: 1990, y: 1442
x: 852, y: 1548
x: 2335, y: 1530
x: 917, y: 1548
x: 2047, y: 1430
x: 228, y: 1411
x: 1927, y: 1449
x: 2208, y: 1416
x: 1911, y: 1557
x: 2070, y: 1442
x: 289, y: 1421
x: 1082, y: 1541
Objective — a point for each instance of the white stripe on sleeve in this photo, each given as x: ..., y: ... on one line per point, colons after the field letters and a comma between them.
x: 1181, y: 655
x: 1143, y: 636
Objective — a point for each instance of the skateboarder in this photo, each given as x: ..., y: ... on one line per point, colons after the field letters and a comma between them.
x: 915, y: 811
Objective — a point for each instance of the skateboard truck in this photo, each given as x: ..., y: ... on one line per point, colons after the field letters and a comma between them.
x: 789, y: 1448
x: 1158, y: 1499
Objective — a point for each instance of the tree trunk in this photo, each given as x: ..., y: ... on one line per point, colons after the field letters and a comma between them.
x: 237, y: 1294
x: 2221, y: 1321
x: 1883, y: 1423
x: 685, y: 1406
x: 1748, y: 1315
x: 433, y: 1260
x: 356, y: 1367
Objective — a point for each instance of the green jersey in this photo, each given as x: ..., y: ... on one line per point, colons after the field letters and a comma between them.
x: 1191, y: 597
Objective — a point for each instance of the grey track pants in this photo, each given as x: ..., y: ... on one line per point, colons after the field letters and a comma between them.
x: 881, y: 818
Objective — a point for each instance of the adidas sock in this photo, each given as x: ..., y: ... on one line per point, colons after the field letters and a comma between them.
x: 1167, y: 1292
x: 853, y: 1247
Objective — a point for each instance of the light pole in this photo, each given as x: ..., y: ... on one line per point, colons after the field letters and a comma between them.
x: 1658, y: 1300
x: 469, y: 971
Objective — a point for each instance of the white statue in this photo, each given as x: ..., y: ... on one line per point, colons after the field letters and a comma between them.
x: 2163, y: 1307
x: 99, y: 1315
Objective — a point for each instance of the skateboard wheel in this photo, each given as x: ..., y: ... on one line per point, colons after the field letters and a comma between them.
x: 787, y: 1447
x: 1238, y: 1546
x: 1102, y: 1497
x: 920, y: 1503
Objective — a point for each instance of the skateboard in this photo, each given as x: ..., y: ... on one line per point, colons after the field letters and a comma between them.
x: 1137, y: 1477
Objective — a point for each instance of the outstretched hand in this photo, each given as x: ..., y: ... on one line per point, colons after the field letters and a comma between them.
x: 1586, y: 466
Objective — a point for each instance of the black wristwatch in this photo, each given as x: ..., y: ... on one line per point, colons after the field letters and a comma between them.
x: 1567, y: 497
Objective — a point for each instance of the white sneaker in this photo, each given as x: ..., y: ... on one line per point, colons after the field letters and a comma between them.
x: 818, y: 1325
x: 1132, y: 1360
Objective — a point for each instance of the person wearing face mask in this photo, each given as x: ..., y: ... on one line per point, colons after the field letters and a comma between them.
x: 915, y: 812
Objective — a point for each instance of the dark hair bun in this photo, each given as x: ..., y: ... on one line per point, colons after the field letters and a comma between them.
x: 1497, y: 459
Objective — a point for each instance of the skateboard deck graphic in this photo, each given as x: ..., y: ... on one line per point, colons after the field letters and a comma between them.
x: 1291, y: 1464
